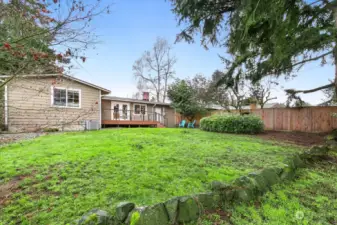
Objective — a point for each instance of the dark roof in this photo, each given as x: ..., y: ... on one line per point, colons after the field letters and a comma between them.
x: 122, y: 99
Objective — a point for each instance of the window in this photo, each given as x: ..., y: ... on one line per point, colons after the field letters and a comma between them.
x: 66, y: 97
x: 73, y: 98
x: 60, y: 97
x: 139, y: 109
x: 116, y: 108
x: 142, y: 109
x: 125, y: 111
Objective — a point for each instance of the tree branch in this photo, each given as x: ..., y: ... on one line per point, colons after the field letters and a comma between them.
x: 293, y: 91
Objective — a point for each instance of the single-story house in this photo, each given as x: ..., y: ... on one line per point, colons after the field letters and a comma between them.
x: 33, y: 103
x: 62, y: 102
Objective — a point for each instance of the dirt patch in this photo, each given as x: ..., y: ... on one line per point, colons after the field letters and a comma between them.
x: 298, y: 138
x: 7, y: 189
x: 11, y: 138
x: 13, y: 186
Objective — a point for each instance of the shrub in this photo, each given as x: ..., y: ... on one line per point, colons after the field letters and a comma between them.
x: 48, y: 130
x: 246, y: 124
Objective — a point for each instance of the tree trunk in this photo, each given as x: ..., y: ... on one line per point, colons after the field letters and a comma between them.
x: 335, y: 49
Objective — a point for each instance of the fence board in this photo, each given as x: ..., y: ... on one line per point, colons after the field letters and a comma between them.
x: 307, y: 119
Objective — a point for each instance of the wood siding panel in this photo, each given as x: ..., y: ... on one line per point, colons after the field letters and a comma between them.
x: 106, y: 110
x: 30, y: 109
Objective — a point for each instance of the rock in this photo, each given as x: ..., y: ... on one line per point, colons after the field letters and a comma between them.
x: 134, y: 216
x: 245, y: 181
x: 298, y: 163
x: 218, y: 186
x: 288, y: 173
x: 188, y: 210
x: 246, y: 189
x: 260, y: 183
x: 152, y: 215
x: 172, y: 209
x: 123, y: 209
x: 96, y: 217
x: 208, y: 201
x: 228, y: 196
x: 270, y: 176
x: 244, y: 195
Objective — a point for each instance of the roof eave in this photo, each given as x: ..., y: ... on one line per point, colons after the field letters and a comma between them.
x: 104, y: 90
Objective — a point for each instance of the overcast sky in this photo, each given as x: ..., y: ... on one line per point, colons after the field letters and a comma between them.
x: 133, y: 26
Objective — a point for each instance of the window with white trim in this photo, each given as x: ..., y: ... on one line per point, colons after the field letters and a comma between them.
x: 66, y: 97
x: 139, y: 109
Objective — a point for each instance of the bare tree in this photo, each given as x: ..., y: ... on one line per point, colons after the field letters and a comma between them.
x: 141, y: 88
x: 229, y: 96
x: 42, y: 37
x: 202, y: 86
x: 155, y: 68
x: 261, y: 92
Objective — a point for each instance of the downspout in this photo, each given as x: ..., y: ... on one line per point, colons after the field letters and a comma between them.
x: 6, y: 107
x: 100, y: 109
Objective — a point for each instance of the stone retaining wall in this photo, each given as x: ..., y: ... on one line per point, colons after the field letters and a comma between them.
x: 186, y: 209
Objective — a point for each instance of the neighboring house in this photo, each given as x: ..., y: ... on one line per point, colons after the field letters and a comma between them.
x: 118, y: 111
x: 34, y: 103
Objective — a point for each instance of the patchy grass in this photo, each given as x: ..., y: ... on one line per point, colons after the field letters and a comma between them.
x: 55, y: 179
x: 311, y: 199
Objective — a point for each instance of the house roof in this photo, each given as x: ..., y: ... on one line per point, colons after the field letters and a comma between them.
x: 121, y: 99
x: 104, y: 90
x: 274, y: 105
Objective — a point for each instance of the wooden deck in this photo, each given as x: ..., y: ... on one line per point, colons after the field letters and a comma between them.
x: 132, y: 123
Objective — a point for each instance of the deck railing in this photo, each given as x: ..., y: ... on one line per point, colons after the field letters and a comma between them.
x: 132, y: 115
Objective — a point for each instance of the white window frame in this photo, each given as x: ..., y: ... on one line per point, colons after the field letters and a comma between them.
x: 134, y: 109
x: 67, y: 89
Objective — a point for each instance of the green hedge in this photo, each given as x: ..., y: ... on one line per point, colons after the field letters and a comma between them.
x: 245, y: 124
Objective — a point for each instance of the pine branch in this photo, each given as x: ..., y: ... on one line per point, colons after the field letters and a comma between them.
x: 293, y: 91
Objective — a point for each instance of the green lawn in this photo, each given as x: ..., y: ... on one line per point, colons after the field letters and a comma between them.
x: 311, y: 199
x: 57, y: 178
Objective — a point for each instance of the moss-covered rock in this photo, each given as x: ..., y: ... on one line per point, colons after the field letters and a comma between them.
x: 246, y: 189
x: 260, y: 182
x: 96, y: 217
x: 123, y: 209
x: 297, y: 161
x: 151, y: 215
x: 172, y: 209
x: 208, y: 201
x: 188, y: 210
x: 288, y: 173
x: 219, y: 186
x: 271, y: 176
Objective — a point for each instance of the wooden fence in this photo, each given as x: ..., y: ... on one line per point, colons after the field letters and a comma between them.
x: 308, y: 119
